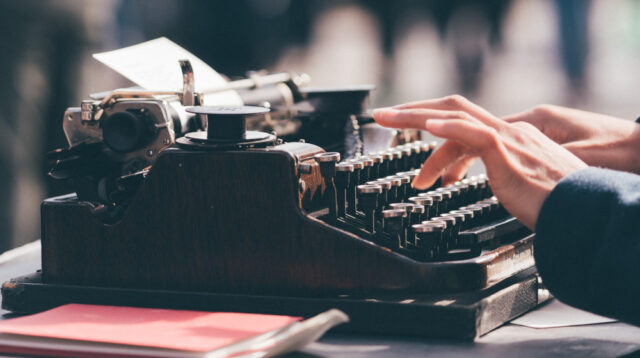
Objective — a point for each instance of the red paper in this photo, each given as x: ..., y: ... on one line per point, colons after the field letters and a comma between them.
x: 160, y: 328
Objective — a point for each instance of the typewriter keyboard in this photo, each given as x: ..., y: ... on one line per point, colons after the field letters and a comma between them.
x: 372, y: 197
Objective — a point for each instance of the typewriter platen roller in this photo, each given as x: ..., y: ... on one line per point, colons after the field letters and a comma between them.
x: 236, y: 219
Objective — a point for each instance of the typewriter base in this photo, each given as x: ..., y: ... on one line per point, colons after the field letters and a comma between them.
x: 461, y: 315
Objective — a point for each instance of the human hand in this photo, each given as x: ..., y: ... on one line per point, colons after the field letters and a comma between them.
x: 523, y: 165
x: 597, y: 139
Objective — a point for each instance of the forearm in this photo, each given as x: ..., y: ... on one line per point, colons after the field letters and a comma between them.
x: 588, y: 242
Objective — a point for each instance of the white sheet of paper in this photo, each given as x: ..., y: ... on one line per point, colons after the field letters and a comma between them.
x: 153, y: 65
x: 557, y: 314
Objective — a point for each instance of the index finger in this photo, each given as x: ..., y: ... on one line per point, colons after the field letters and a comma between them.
x: 454, y: 103
x: 413, y: 118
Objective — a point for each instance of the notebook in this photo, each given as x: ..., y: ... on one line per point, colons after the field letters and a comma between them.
x: 79, y: 330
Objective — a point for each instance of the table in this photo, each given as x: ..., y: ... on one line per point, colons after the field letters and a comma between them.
x: 596, y: 340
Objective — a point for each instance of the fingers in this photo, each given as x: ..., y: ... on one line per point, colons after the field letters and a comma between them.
x: 414, y: 118
x: 477, y: 138
x: 452, y: 103
x: 457, y: 170
x: 436, y: 163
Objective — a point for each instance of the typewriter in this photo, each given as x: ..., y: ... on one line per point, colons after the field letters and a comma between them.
x: 206, y: 210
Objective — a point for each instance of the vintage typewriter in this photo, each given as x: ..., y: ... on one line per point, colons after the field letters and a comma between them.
x: 276, y: 208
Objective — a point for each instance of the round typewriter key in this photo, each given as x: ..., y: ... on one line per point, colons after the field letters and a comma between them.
x: 455, y: 196
x: 411, y: 191
x: 459, y: 224
x: 468, y: 217
x: 405, y: 187
x: 445, y: 204
x: 375, y: 169
x: 486, y: 210
x: 357, y: 164
x: 358, y: 167
x: 425, y: 201
x: 409, y: 208
x: 449, y: 234
x: 368, y: 202
x: 477, y: 214
x: 396, y: 157
x: 385, y: 165
x: 422, y: 200
x: 354, y: 180
x: 395, y: 188
x: 424, y: 237
x: 327, y: 157
x: 437, y: 202
x: 429, y: 237
x: 386, y: 187
x: 344, y: 167
x: 425, y: 151
x: 366, y: 171
x: 327, y: 162
x: 464, y: 192
x: 407, y: 155
x: 483, y: 186
x: 394, y: 226
x: 392, y: 213
x: 417, y: 215
x: 343, y: 175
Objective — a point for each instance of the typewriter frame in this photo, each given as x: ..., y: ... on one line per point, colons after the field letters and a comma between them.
x: 241, y: 226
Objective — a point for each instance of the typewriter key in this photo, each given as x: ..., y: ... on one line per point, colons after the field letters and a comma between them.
x: 405, y: 187
x: 394, y: 193
x: 415, y: 155
x: 409, y: 208
x: 456, y: 199
x: 405, y: 163
x: 354, y: 181
x: 417, y: 215
x: 366, y: 171
x: 368, y: 201
x: 477, y: 214
x: 394, y: 225
x: 343, y: 174
x: 448, y: 234
x: 327, y: 162
x: 385, y: 164
x: 468, y: 217
x: 446, y: 203
x: 375, y: 170
x: 425, y: 150
x: 383, y: 200
x: 429, y: 237
x: 396, y: 157
x: 426, y: 202
x: 458, y: 226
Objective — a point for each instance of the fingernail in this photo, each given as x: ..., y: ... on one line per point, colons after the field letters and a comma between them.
x: 415, y: 185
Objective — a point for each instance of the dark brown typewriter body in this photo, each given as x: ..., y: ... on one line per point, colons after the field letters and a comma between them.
x: 243, y: 222
x: 272, y: 228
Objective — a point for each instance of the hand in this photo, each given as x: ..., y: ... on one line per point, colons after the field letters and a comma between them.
x: 597, y: 139
x: 523, y: 165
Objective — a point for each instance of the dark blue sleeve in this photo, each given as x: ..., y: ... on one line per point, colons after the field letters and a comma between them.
x: 587, y: 245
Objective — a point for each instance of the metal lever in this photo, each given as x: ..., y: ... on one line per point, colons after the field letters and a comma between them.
x: 188, y: 83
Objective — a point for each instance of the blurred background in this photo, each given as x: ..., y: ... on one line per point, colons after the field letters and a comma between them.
x: 506, y: 55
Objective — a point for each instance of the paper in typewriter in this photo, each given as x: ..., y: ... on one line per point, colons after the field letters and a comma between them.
x: 153, y: 65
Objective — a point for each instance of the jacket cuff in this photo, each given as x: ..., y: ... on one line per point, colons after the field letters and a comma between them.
x: 575, y: 220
